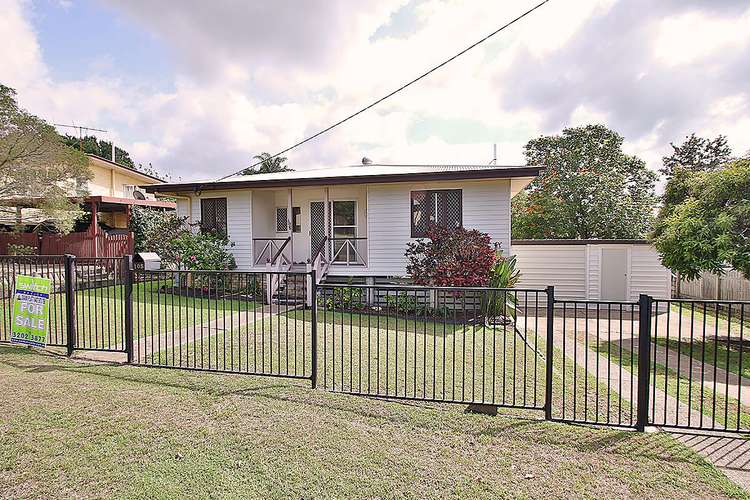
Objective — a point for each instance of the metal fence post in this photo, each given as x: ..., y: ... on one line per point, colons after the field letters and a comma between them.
x: 70, y: 302
x: 645, y: 303
x: 550, y: 352
x: 314, y: 320
x: 127, y: 263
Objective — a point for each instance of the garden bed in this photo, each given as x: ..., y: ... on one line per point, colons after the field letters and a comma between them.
x: 206, y: 293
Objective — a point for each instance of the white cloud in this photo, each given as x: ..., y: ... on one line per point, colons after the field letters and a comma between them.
x: 696, y: 35
x: 256, y: 77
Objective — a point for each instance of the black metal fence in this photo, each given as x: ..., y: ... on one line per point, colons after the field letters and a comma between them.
x: 223, y: 322
x: 87, y: 301
x: 699, y: 365
x: 672, y: 363
x: 467, y: 345
x: 52, y: 267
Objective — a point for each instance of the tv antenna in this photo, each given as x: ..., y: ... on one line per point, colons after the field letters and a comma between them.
x: 81, y: 128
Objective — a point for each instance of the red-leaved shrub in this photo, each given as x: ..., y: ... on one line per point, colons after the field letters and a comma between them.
x: 450, y: 257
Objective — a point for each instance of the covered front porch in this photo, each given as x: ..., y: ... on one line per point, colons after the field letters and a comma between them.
x: 323, y: 227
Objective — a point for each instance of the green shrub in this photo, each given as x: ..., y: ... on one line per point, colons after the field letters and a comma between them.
x: 20, y: 249
x: 346, y: 298
x: 502, y: 275
x: 202, y: 251
x: 405, y: 304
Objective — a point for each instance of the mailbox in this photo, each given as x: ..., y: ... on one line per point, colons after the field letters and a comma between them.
x: 148, y: 261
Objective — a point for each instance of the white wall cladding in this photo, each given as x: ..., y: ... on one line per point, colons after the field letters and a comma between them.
x: 648, y: 275
x: 486, y: 207
x: 562, y: 266
x: 575, y: 270
x: 239, y: 221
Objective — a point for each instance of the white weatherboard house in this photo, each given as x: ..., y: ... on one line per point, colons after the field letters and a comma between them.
x: 278, y: 221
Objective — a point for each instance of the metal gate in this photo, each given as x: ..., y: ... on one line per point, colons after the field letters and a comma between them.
x: 87, y: 304
x: 596, y: 362
x: 699, y: 365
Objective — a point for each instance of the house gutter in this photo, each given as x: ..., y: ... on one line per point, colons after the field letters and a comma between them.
x: 352, y: 179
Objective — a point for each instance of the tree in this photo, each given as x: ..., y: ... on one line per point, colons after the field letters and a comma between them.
x: 268, y: 165
x: 35, y: 163
x: 698, y: 154
x: 90, y: 144
x: 155, y: 230
x: 589, y: 189
x: 709, y: 228
x: 536, y: 215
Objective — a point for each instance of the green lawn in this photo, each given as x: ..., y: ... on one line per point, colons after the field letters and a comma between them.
x: 717, y: 354
x: 100, y: 313
x: 702, y: 399
x: 473, y: 363
x: 740, y: 316
x: 725, y: 352
x: 134, y: 432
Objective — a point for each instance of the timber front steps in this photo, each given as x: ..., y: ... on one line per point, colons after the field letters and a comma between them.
x: 293, y: 288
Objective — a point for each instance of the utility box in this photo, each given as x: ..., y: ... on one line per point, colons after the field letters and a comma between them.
x: 147, y: 261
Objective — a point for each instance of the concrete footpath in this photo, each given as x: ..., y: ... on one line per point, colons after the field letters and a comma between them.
x: 729, y: 453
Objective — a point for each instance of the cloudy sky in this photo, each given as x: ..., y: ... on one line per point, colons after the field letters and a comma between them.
x: 197, y: 88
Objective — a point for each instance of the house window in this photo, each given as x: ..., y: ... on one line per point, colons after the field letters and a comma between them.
x: 296, y: 219
x: 441, y: 207
x: 281, y: 220
x: 214, y: 215
x: 344, y: 230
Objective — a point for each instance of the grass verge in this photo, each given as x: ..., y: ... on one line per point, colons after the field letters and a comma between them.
x: 148, y: 433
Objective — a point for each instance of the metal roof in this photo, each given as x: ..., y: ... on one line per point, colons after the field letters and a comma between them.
x: 354, y: 175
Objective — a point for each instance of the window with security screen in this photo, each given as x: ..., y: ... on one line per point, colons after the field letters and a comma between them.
x: 281, y: 220
x: 214, y: 215
x: 441, y: 207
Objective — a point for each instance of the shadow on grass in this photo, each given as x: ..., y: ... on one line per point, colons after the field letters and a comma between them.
x: 506, y: 426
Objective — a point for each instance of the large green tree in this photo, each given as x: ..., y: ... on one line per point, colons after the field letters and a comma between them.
x: 589, y: 189
x: 35, y: 163
x: 697, y: 153
x: 267, y: 165
x: 707, y: 225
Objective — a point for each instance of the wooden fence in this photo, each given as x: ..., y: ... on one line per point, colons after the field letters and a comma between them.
x: 78, y: 244
x: 731, y: 286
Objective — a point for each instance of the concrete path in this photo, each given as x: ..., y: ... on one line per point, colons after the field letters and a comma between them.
x: 145, y: 347
x: 731, y: 454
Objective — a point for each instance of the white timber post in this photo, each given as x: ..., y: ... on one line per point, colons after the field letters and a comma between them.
x: 290, y: 224
x: 326, y: 218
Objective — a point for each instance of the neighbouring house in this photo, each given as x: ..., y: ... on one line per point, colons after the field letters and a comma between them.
x: 350, y: 222
x: 112, y: 192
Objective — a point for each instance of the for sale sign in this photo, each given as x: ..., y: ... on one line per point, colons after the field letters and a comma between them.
x: 30, y: 311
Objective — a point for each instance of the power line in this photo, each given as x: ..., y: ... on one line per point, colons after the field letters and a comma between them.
x: 415, y: 80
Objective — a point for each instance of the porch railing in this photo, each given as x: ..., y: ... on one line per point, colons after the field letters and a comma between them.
x: 348, y: 251
x: 267, y: 250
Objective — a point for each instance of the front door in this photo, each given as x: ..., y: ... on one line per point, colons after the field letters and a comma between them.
x: 317, y: 225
